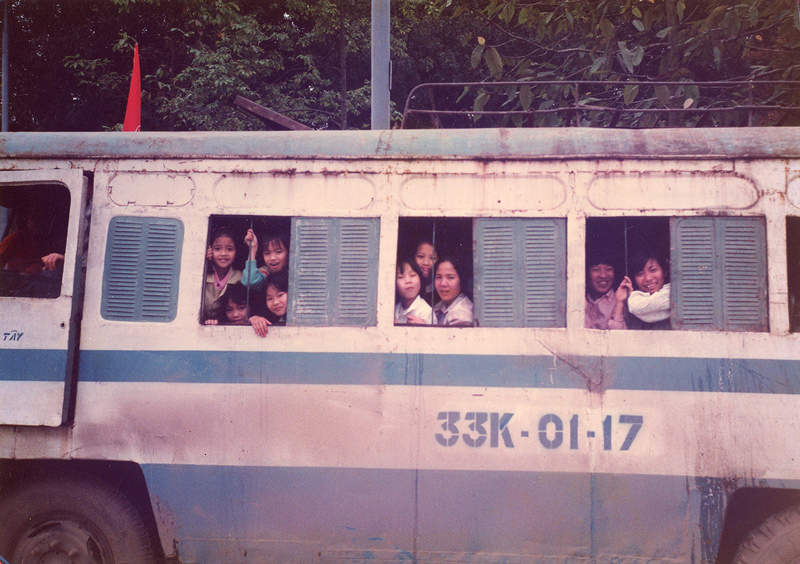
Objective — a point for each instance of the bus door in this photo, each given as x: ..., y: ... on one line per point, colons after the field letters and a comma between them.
x: 41, y: 243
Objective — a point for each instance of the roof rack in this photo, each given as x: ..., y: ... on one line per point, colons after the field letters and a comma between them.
x: 594, y: 103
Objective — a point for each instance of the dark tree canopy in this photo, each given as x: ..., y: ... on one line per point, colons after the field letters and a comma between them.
x: 70, y: 60
x: 623, y: 42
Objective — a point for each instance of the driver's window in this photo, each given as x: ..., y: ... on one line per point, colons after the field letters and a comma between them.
x: 33, y: 237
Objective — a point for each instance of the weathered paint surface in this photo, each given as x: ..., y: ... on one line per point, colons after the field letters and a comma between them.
x: 491, y: 144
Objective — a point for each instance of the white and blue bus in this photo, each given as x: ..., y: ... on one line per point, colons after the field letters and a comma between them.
x: 133, y: 432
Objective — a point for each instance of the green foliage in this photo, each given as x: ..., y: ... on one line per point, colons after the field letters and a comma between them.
x: 71, y: 61
x: 620, y: 41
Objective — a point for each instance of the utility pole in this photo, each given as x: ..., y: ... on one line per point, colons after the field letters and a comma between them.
x: 5, y: 68
x: 381, y: 64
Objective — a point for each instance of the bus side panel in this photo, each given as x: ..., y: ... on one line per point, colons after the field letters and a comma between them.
x: 503, y: 516
x: 655, y: 518
x: 237, y: 514
x: 234, y: 514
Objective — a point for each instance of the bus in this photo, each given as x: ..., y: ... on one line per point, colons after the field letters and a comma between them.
x: 137, y: 426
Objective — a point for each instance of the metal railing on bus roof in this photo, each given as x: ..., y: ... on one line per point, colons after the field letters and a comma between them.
x: 614, y: 92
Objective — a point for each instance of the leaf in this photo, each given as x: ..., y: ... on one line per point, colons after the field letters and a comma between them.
x: 522, y: 66
x: 494, y: 61
x: 638, y: 56
x: 481, y: 40
x: 626, y: 55
x: 525, y: 97
x: 732, y: 23
x: 477, y: 53
x: 508, y: 12
x: 606, y: 28
x: 693, y: 92
x: 662, y: 93
x: 511, y: 94
x: 598, y: 62
x: 636, y: 12
x: 752, y: 15
x: 663, y: 33
x: 479, y: 103
x: 680, y: 8
x: 638, y: 25
x: 713, y: 18
x: 718, y: 57
x: 687, y: 103
x: 630, y: 93
x: 649, y: 18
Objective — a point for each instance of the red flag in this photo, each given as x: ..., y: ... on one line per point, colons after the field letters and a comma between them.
x: 133, y: 113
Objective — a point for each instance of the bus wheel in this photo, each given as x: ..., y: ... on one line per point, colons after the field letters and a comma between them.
x: 775, y: 541
x: 72, y: 521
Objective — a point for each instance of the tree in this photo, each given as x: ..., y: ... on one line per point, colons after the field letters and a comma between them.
x: 71, y: 61
x: 623, y: 41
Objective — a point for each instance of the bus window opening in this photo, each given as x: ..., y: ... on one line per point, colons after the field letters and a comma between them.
x: 627, y: 273
x: 689, y: 273
x: 434, y: 272
x: 247, y: 263
x: 33, y: 236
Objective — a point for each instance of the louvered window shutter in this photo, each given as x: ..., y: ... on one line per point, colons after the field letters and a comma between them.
x: 693, y: 286
x: 719, y: 273
x: 520, y: 272
x: 334, y: 278
x: 142, y: 268
x: 744, y: 273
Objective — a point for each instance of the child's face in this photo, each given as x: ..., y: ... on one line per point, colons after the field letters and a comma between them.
x: 276, y: 300
x: 408, y: 283
x: 447, y: 281
x: 275, y: 256
x: 426, y: 258
x: 236, y: 313
x: 223, y: 252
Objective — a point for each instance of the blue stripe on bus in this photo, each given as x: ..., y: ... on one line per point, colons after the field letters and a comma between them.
x: 222, y: 513
x: 33, y: 365
x: 623, y: 373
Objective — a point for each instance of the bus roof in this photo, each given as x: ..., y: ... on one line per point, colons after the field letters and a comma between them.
x: 488, y: 144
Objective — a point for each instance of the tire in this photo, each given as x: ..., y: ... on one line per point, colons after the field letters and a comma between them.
x: 775, y: 541
x: 72, y: 521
